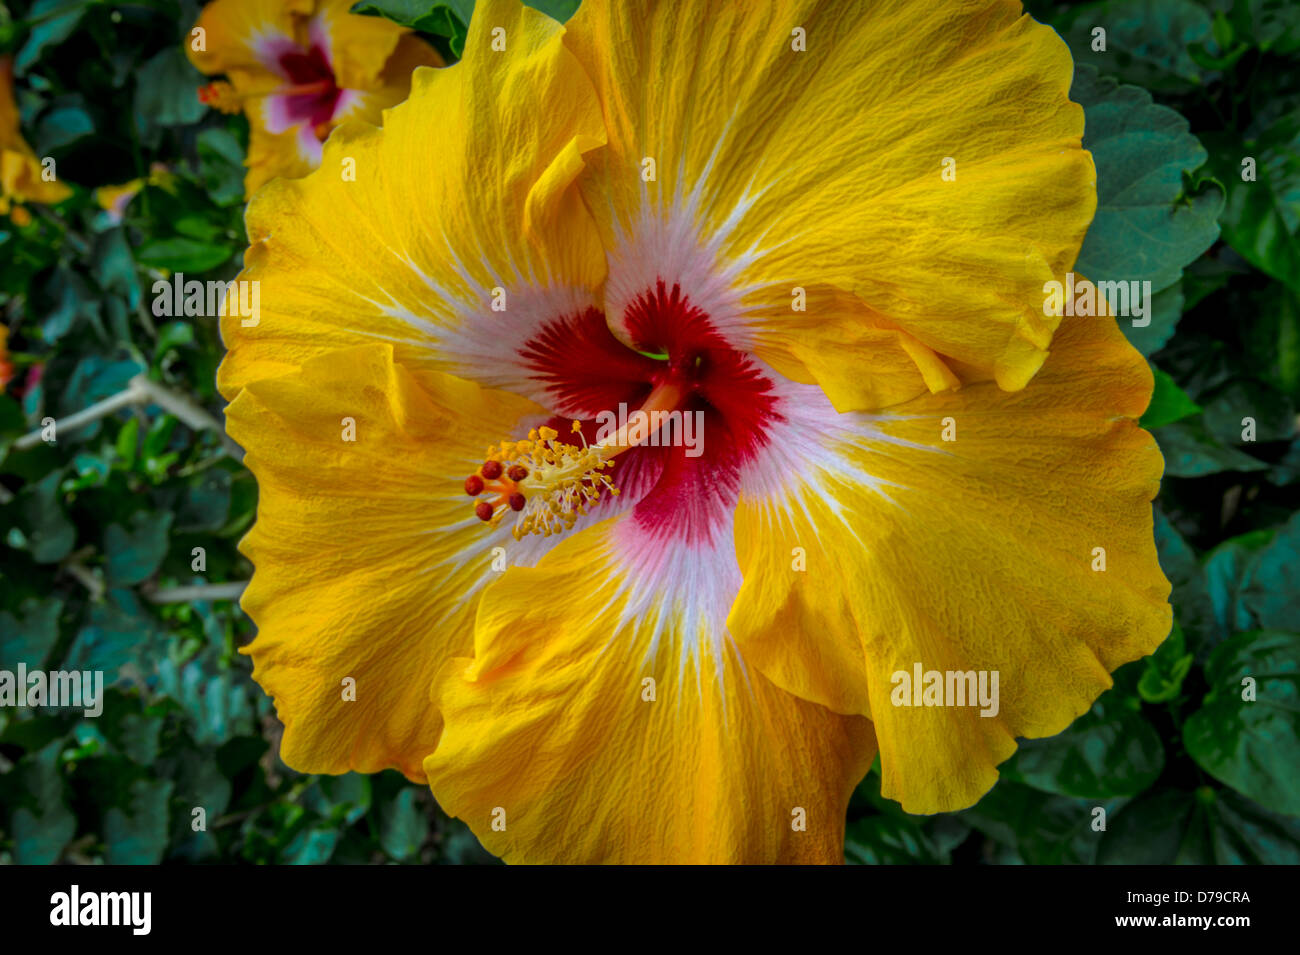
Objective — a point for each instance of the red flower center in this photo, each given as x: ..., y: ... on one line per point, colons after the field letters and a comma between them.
x: 681, y: 490
x: 314, y: 95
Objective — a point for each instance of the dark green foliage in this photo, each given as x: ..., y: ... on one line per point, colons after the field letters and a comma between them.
x: 99, y: 525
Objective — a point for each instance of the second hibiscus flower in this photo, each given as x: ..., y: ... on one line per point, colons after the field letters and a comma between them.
x: 298, y: 68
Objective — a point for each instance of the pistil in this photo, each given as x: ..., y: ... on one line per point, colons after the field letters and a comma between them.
x: 551, y: 483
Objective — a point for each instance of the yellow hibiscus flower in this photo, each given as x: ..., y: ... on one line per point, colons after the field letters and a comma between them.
x: 744, y: 221
x: 21, y: 172
x: 298, y: 68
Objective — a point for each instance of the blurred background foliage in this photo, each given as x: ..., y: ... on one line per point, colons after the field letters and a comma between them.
x: 100, y: 529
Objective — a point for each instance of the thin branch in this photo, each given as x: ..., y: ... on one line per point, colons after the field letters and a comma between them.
x: 140, y: 391
x: 86, y: 577
x: 183, y: 595
x: 129, y: 396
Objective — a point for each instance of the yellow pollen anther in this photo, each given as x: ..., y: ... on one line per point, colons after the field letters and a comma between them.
x: 562, y: 480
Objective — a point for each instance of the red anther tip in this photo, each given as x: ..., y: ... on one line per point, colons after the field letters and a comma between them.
x: 484, y: 510
x: 517, y: 472
x: 491, y: 470
x: 473, y: 485
x: 517, y: 501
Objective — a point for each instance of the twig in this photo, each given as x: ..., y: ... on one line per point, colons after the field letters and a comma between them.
x: 86, y: 577
x: 139, y: 391
x: 182, y: 595
x: 83, y: 417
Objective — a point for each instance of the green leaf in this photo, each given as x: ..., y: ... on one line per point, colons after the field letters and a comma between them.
x: 118, y: 631
x: 136, y: 834
x: 1169, y: 403
x: 1247, y: 732
x: 312, y: 846
x: 221, y: 166
x: 94, y: 379
x: 1275, y: 140
x: 1166, y: 308
x: 1149, y: 222
x: 341, y: 799
x: 54, y: 22
x: 1208, y: 827
x: 218, y: 705
x: 1193, y: 609
x: 50, y: 535
x: 206, y: 504
x: 1268, y: 24
x: 40, y: 822
x: 890, y: 836
x: 1146, y: 41
x: 180, y: 254
x: 1109, y: 751
x: 1272, y: 594
x: 61, y: 127
x: 172, y: 335
x: 448, y: 18
x: 159, y: 436
x: 1162, y: 679
x: 133, y: 551
x: 403, y: 826
x: 559, y: 10
x: 128, y: 439
x: 1191, y: 451
x: 1041, y: 829
x: 1227, y: 570
x: 1207, y: 275
x: 200, y: 784
x: 1253, y: 220
x: 167, y: 92
x: 1271, y: 412
x: 29, y: 637
x: 132, y: 732
x: 114, y: 269
x: 459, y: 846
x: 73, y: 300
x: 886, y: 840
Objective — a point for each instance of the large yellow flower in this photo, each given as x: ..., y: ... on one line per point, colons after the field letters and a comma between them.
x: 22, y: 176
x: 298, y: 68
x: 630, y: 211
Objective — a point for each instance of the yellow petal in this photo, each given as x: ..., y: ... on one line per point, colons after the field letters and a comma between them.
x: 393, y: 84
x: 273, y: 155
x: 972, y: 554
x: 579, y: 734
x: 359, y: 45
x: 859, y: 359
x: 411, y: 235
x: 21, y: 172
x: 21, y: 177
x: 776, y: 167
x: 368, y: 558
